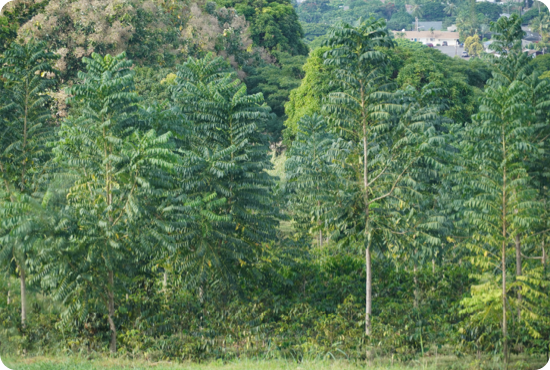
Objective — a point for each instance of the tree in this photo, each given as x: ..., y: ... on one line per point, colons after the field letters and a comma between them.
x: 25, y: 126
x: 113, y: 164
x: 363, y: 113
x: 307, y: 98
x: 276, y: 82
x: 312, y: 170
x: 502, y: 204
x: 490, y: 10
x: 473, y: 46
x: 274, y: 25
x: 433, y: 11
x: 541, y: 25
x: 417, y: 9
x: 451, y: 9
x: 227, y: 155
x: 400, y: 21
x: 507, y: 34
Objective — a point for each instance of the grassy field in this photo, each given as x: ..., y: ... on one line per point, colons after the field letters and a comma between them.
x: 76, y: 363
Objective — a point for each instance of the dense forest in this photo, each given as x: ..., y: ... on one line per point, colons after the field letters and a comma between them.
x: 198, y: 181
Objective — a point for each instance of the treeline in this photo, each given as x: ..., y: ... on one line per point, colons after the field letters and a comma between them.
x: 408, y: 213
x: 471, y: 18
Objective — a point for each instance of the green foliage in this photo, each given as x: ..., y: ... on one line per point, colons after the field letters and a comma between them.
x: 540, y: 24
x: 425, y: 67
x: 312, y: 175
x: 273, y: 24
x: 25, y: 126
x: 312, y: 31
x: 312, y: 11
x: 157, y: 217
x: 491, y: 11
x: 307, y: 98
x: 533, y: 12
x: 275, y: 82
x: 473, y: 46
x: 400, y: 21
x: 226, y: 155
x: 433, y: 11
x: 114, y: 166
x: 14, y: 14
x: 501, y: 202
x: 507, y: 34
x: 541, y: 63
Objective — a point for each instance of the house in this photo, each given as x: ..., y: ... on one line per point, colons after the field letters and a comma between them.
x: 426, y: 37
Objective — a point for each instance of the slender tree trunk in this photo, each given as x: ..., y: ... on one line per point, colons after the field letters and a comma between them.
x: 165, y: 281
x: 433, y: 272
x: 368, y: 308
x: 320, y: 231
x: 9, y: 291
x: 368, y: 265
x: 415, y: 304
x: 543, y: 254
x: 504, y: 326
x: 111, y: 309
x: 23, y: 297
x: 518, y: 273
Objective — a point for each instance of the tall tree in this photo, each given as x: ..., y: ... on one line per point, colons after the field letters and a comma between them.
x: 507, y: 34
x: 25, y: 126
x: 389, y: 139
x: 502, y: 204
x: 541, y: 25
x: 226, y: 153
x: 312, y: 173
x: 113, y: 161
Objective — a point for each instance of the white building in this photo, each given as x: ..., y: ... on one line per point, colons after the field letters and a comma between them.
x: 428, y: 37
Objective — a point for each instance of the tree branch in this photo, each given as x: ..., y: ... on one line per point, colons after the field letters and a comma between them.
x: 393, y: 186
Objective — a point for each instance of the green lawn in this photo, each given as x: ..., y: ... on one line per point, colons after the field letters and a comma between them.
x: 75, y: 363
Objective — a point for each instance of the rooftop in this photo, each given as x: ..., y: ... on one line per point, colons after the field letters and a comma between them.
x: 428, y: 34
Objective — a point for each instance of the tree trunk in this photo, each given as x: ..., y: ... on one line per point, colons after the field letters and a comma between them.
x: 368, y: 264
x: 433, y: 272
x: 504, y: 326
x: 23, y: 298
x: 368, y: 307
x: 415, y: 304
x: 111, y: 308
x: 165, y: 281
x: 543, y: 254
x: 504, y: 236
x: 320, y: 231
x: 518, y: 273
x: 9, y: 291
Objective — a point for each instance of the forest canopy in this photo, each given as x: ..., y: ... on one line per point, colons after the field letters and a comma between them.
x: 196, y: 181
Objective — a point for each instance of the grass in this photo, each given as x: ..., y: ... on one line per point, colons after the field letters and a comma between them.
x: 105, y: 363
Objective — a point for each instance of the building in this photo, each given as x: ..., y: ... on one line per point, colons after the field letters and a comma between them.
x: 427, y: 37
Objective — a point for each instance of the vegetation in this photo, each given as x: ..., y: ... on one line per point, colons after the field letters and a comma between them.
x: 182, y: 186
x: 79, y: 363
